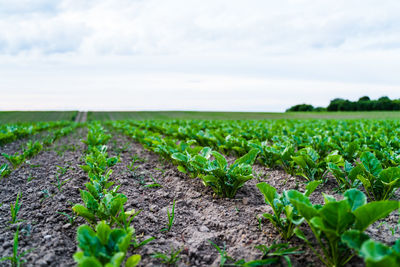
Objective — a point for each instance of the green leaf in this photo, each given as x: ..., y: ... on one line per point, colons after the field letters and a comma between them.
x: 364, y: 181
x: 222, y: 163
x: 179, y: 157
x: 249, y: 158
x: 206, y: 152
x: 103, y: 231
x: 268, y: 191
x: 84, y: 212
x: 133, y: 260
x: 373, y: 211
x: 311, y: 187
x: 117, y: 259
x: 389, y: 175
x: 87, y: 240
x: 90, y: 262
x: 182, y: 169
x: 301, y: 235
x: 377, y: 254
x: 336, y: 216
x: 302, y: 204
x: 371, y: 163
x: 354, y: 239
x: 356, y: 198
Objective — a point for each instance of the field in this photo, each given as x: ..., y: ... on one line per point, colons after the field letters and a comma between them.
x: 192, y: 115
x: 189, y: 189
x: 33, y: 116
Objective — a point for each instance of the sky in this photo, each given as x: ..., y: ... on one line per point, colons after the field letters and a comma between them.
x: 215, y: 55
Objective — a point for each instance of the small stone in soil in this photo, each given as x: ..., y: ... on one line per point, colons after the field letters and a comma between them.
x: 204, y: 228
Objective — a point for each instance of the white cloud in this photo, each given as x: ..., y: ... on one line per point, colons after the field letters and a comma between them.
x: 269, y: 48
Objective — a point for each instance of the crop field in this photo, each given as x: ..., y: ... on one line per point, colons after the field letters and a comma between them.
x: 35, y: 116
x: 120, y: 190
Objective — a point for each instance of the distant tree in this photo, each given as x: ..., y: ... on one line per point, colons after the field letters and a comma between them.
x: 396, y: 104
x: 364, y: 98
x: 335, y: 104
x: 319, y: 109
x: 301, y: 107
x: 363, y: 104
x: 384, y: 103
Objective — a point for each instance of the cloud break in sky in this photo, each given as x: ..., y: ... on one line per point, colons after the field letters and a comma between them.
x: 231, y: 55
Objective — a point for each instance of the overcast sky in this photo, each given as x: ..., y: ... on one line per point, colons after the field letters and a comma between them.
x: 254, y: 55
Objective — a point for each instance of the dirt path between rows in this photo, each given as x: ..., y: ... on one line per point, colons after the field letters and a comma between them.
x: 81, y: 116
x: 43, y: 229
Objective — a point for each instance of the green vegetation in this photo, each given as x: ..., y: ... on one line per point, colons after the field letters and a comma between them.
x: 102, y: 204
x: 356, y: 154
x: 16, y: 259
x: 384, y: 103
x: 199, y: 115
x: 34, y: 116
x: 171, y: 217
x: 171, y: 258
x: 336, y: 221
x: 15, y: 208
x: 281, y: 205
x: 105, y: 247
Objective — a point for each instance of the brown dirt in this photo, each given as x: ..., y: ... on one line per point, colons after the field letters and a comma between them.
x: 43, y: 229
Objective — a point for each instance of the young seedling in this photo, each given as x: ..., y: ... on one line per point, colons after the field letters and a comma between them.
x: 14, y: 209
x: 32, y: 165
x: 16, y: 259
x: 131, y: 167
x: 171, y: 216
x: 15, y: 160
x: 30, y: 178
x: 171, y: 258
x: 59, y: 184
x: 104, y: 246
x: 274, y: 253
x: 71, y: 219
x: 223, y: 253
x: 4, y: 170
x: 285, y: 217
x: 62, y: 170
x: 136, y: 244
x: 154, y: 184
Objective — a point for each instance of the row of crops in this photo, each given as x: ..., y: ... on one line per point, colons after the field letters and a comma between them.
x: 10, y: 133
x: 362, y: 157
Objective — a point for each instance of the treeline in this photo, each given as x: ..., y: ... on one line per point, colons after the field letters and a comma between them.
x: 363, y: 104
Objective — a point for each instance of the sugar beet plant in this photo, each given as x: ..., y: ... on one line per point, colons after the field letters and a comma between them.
x: 103, y: 206
x: 285, y: 218
x: 104, y: 247
x: 379, y: 183
x: 31, y: 148
x: 335, y: 223
x: 223, y: 178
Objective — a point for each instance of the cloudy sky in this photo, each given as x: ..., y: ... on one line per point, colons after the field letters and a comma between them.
x: 255, y: 55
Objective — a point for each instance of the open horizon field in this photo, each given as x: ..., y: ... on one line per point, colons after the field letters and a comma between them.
x: 32, y: 116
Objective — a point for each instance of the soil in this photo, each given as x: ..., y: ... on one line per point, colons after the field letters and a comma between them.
x: 199, y: 216
x: 42, y: 229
